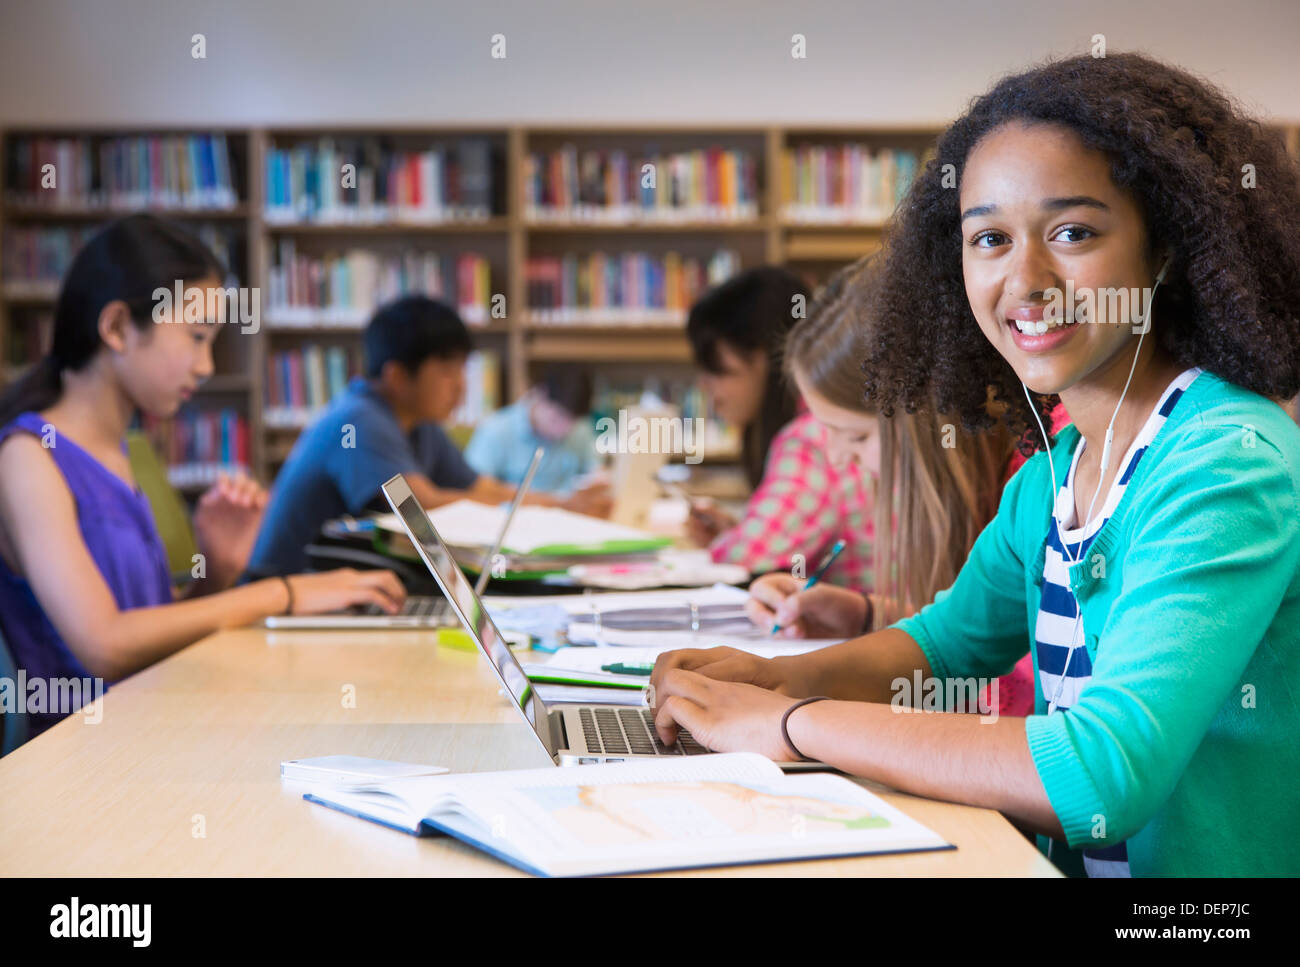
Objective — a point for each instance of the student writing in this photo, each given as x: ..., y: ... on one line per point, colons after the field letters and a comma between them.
x: 801, y: 502
x: 1150, y: 561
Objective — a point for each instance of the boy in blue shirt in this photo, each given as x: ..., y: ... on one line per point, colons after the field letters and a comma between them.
x: 384, y: 424
x: 554, y: 415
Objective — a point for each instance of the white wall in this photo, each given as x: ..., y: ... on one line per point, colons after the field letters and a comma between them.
x: 370, y: 61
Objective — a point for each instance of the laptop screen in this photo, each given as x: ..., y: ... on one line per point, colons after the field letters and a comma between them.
x: 461, y: 594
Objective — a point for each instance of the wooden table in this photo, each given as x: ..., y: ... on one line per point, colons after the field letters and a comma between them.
x: 181, y: 776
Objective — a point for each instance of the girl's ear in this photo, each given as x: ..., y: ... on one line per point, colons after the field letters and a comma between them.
x: 114, y: 320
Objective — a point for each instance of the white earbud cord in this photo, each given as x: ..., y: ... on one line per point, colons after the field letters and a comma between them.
x: 1101, y: 479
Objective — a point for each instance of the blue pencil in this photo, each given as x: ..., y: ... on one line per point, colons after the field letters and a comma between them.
x: 827, y: 561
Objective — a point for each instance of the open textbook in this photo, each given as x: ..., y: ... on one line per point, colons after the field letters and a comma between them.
x: 709, y: 810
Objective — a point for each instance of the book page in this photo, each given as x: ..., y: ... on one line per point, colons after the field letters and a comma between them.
x: 419, y: 796
x: 610, y: 827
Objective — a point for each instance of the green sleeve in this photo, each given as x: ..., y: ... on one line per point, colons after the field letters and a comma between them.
x: 979, y: 626
x: 1207, y: 564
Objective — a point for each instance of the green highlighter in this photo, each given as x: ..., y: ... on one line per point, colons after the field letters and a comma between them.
x: 620, y: 668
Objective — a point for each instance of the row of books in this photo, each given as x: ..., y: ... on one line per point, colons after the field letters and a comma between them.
x: 169, y: 170
x: 36, y: 257
x: 612, y: 394
x: 303, y: 380
x: 482, y: 388
x: 617, y: 186
x: 362, y: 180
x: 847, y: 183
x: 633, y: 286
x: 345, y: 289
x: 197, y: 444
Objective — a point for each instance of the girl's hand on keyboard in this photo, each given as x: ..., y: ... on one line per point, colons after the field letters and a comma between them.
x: 722, y: 716
x: 336, y: 590
x: 779, y: 675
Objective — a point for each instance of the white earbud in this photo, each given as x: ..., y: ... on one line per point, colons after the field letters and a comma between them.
x: 1101, y: 473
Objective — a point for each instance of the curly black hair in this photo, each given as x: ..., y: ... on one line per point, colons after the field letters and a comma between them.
x: 1178, y: 145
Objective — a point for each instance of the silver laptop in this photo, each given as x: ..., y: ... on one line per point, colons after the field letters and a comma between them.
x: 570, y: 734
x: 418, y: 611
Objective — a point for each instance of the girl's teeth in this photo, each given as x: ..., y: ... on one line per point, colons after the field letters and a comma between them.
x: 1031, y: 328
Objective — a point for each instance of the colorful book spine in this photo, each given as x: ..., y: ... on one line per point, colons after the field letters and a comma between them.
x: 593, y: 185
x: 362, y: 180
x: 36, y: 257
x: 844, y: 183
x: 302, y: 381
x: 621, y: 288
x: 190, y: 171
x: 482, y: 388
x: 344, y: 290
x: 199, y: 444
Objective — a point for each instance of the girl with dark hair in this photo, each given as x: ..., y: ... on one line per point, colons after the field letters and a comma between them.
x: 1150, y: 560
x: 84, y: 584
x: 801, y: 503
x: 935, y: 487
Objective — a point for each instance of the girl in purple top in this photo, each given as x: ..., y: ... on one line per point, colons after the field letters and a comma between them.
x: 84, y: 586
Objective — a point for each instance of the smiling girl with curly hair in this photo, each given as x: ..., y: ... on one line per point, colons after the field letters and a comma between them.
x: 1149, y: 561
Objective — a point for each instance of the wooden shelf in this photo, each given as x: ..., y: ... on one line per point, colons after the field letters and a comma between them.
x: 94, y: 212
x: 804, y: 246
x: 619, y: 344
x: 647, y: 227
x: 496, y: 224
x: 772, y: 235
x: 30, y: 293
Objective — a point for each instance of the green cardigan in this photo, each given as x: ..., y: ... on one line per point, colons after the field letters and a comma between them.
x: 1186, y: 741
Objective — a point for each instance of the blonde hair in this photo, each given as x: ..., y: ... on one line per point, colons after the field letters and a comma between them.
x: 939, y: 485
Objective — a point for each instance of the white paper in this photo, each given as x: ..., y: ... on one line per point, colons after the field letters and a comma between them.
x: 467, y: 523
x: 590, y: 659
x: 610, y: 600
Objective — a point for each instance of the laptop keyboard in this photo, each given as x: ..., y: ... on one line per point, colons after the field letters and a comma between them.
x: 630, y: 731
x: 415, y: 606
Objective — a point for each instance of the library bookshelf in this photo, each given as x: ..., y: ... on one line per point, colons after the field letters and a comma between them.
x: 770, y: 169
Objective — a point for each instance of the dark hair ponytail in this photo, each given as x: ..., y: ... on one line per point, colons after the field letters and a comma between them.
x: 127, y: 260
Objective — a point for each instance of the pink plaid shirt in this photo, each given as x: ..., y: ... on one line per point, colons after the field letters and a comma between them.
x: 802, y: 506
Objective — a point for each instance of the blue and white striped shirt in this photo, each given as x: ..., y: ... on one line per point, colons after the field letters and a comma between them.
x: 1063, y: 674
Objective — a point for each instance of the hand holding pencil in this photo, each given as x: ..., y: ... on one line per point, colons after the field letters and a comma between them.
x: 811, y: 609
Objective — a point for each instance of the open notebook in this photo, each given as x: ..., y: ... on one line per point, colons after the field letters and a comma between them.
x: 709, y: 810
